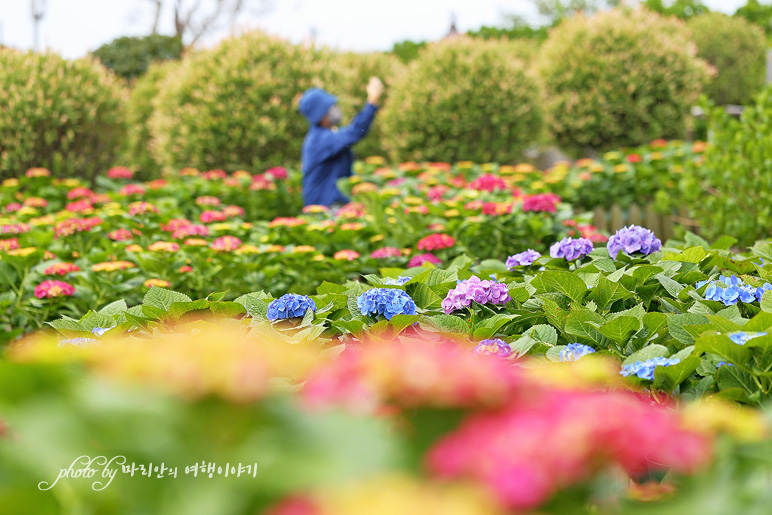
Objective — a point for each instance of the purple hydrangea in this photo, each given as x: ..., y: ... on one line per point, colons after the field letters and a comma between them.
x: 475, y: 290
x: 645, y: 369
x: 571, y: 248
x: 290, y: 305
x: 574, y: 351
x: 387, y: 302
x: 633, y: 239
x: 522, y: 259
x: 494, y: 347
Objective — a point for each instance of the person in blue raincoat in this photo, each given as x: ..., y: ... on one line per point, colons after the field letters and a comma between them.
x: 327, y: 154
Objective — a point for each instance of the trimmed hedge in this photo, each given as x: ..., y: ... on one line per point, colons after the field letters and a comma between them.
x: 464, y: 99
x: 130, y: 57
x: 67, y: 116
x: 619, y: 78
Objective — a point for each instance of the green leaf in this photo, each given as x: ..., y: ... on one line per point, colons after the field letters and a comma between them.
x: 646, y: 353
x: 668, y: 378
x: 722, y: 346
x: 92, y: 320
x: 544, y: 333
x: 690, y: 255
x: 68, y: 324
x: 350, y: 326
x: 605, y: 265
x: 154, y: 313
x: 519, y: 292
x: 327, y: 287
x: 216, y: 297
x: 162, y: 298
x: 114, y: 308
x: 608, y: 292
x: 177, y: 309
x: 566, y: 283
x: 760, y: 322
x: 637, y: 311
x: 656, y: 323
x: 723, y: 243
x: 444, y: 324
x: 672, y: 287
x: 493, y: 265
x: 620, y: 329
x: 353, y: 307
x: 644, y: 272
x: 766, y: 301
x: 423, y: 296
x: 555, y: 315
x: 434, y: 276
x: 676, y: 323
x: 583, y: 325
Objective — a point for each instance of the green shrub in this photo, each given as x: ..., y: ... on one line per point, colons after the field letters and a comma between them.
x: 737, y: 49
x: 235, y: 106
x: 138, y: 112
x: 731, y: 192
x: 66, y: 116
x: 619, y: 78
x: 407, y: 51
x: 130, y: 57
x: 466, y: 99
x: 348, y: 76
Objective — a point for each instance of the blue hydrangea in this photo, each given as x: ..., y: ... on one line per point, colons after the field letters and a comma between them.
x: 574, y: 351
x: 645, y: 369
x: 78, y: 342
x: 731, y: 289
x: 290, y: 305
x: 387, y: 302
x: 722, y: 363
x: 100, y: 331
x: 741, y: 338
x: 399, y: 281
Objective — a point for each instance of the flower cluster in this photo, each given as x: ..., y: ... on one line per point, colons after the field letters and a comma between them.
x: 574, y: 351
x: 226, y: 243
x: 387, y: 302
x: 120, y: 172
x: 420, y: 259
x: 475, y: 290
x: 633, y: 239
x: 290, y: 305
x: 488, y: 182
x: 14, y: 228
x: 522, y: 259
x: 494, y: 347
x: 51, y: 289
x: 190, y: 230
x: 141, y: 208
x: 541, y: 202
x: 277, y: 172
x: 232, y: 211
x: 9, y: 244
x: 61, y: 269
x: 734, y: 290
x: 79, y: 206
x: 346, y: 255
x: 112, y: 266
x: 290, y: 221
x: 163, y: 246
x: 121, y: 234
x: 385, y: 252
x: 645, y: 369
x: 436, y: 242
x: 208, y: 217
x: 587, y: 431
x: 161, y: 283
x: 208, y: 200
x: 73, y: 225
x: 571, y: 248
x: 79, y: 192
x: 38, y: 172
x: 131, y: 189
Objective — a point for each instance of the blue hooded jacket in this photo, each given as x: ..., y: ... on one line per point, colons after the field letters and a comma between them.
x: 327, y: 155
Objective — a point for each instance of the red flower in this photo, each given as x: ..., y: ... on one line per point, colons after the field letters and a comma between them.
x: 79, y: 206
x: 634, y: 158
x: 277, y: 172
x: 185, y: 268
x: 208, y: 217
x: 61, y: 269
x: 541, y: 202
x: 120, y: 172
x: 79, y: 192
x: 489, y: 182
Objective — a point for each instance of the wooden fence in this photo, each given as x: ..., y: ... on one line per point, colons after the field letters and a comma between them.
x: 614, y: 218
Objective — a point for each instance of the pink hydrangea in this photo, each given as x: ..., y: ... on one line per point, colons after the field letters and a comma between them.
x: 277, y: 172
x: 385, y: 252
x: 423, y: 258
x: 52, y: 289
x: 120, y: 172
x: 209, y: 217
x: 436, y: 242
x: 541, y: 202
x: 489, y: 182
x: 226, y: 243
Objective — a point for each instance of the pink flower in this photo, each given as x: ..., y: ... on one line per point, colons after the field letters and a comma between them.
x: 346, y: 255
x: 286, y: 221
x: 141, y: 208
x: 79, y: 192
x: 423, y: 258
x: 12, y: 207
x: 131, y: 189
x: 436, y: 241
x: 9, y: 244
x: 61, y: 269
x: 51, y: 289
x: 164, y: 246
x: 208, y: 200
x: 226, y: 243
x: 634, y: 158
x: 121, y: 234
x: 208, y: 217
x: 174, y: 224
x: 156, y: 184
x: 541, y: 202
x: 496, y: 208
x: 231, y: 211
x: 212, y: 175
x: 277, y: 172
x: 120, y: 172
x: 79, y: 206
x: 38, y: 172
x: 489, y: 182
x: 73, y: 225
x: 35, y: 202
x: 385, y: 252
x: 436, y: 193
x: 185, y: 268
x: 190, y: 230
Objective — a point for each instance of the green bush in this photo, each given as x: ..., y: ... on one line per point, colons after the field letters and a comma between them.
x: 619, y: 78
x: 737, y: 49
x: 235, y: 106
x: 66, y: 116
x: 138, y: 112
x: 348, y: 76
x: 731, y: 192
x: 130, y: 57
x: 465, y: 99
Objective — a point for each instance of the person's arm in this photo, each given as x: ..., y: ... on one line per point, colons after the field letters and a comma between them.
x: 332, y: 143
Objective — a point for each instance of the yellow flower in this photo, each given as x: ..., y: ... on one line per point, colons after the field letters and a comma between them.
x: 610, y: 156
x: 246, y: 225
x: 248, y: 249
x: 471, y: 194
x: 413, y: 201
x: 452, y: 213
x: 656, y: 156
x: 304, y: 249
x: 375, y: 160
x: 597, y: 168
x: 274, y: 248
x: 525, y: 168
x: 27, y: 210
x: 621, y: 168
x: 133, y: 248
x: 156, y: 282
x: 355, y: 179
x: 391, y: 220
x: 465, y: 164
x: 487, y: 167
x: 507, y: 169
x: 43, y: 220
x: 713, y: 416
x: 26, y: 251
x: 113, y: 205
x: 241, y: 174
x: 376, y: 238
x: 537, y: 185
x: 390, y: 192
x: 11, y: 183
x: 264, y: 239
x: 221, y: 227
x: 318, y: 257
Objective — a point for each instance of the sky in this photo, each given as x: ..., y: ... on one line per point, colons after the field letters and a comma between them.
x: 74, y: 27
